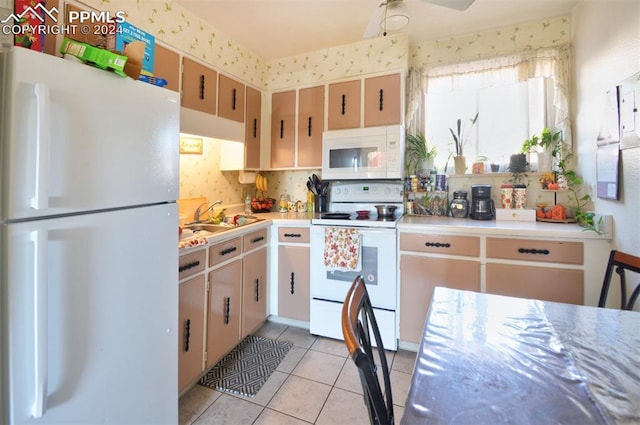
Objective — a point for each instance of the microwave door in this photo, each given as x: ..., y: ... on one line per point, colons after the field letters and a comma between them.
x: 353, y: 161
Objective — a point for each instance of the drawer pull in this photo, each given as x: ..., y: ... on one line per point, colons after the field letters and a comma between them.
x: 533, y: 251
x: 228, y: 250
x: 188, y: 266
x: 257, y: 290
x: 292, y: 283
x: 309, y: 127
x: 344, y: 104
x: 292, y: 235
x: 282, y: 129
x: 233, y: 100
x: 255, y: 128
x: 227, y: 310
x: 187, y: 334
x: 258, y: 239
x: 381, y: 99
x: 201, y: 87
x: 438, y: 244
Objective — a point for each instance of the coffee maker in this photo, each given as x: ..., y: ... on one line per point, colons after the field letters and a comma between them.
x: 482, y: 207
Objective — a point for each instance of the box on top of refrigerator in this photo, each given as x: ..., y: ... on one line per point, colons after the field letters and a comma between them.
x: 32, y: 14
x: 125, y: 34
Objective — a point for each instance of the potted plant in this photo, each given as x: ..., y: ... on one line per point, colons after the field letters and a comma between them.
x: 418, y: 154
x: 547, y: 147
x: 518, y: 167
x: 459, y: 161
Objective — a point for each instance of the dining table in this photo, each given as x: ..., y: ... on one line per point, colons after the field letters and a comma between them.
x: 493, y: 359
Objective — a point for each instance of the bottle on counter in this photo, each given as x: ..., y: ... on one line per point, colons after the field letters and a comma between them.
x: 247, y: 205
x: 310, y: 201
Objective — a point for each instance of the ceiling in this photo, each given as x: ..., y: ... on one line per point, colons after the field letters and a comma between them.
x: 276, y: 29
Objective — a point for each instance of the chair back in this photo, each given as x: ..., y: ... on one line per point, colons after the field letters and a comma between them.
x: 620, y: 262
x: 358, y: 325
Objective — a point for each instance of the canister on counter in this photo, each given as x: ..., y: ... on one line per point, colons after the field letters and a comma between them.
x: 283, y: 205
x: 310, y: 201
x: 414, y: 183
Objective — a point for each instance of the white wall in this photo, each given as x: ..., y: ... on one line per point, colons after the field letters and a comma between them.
x: 606, y: 50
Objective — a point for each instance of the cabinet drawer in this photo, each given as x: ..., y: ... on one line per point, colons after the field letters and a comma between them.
x: 535, y: 250
x: 254, y: 239
x: 441, y: 244
x: 192, y: 263
x: 224, y: 251
x: 293, y: 234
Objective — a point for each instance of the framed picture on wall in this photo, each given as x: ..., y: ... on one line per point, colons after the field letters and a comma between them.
x: 607, y: 164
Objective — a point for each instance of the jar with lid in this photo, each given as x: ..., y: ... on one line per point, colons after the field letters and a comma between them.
x: 283, y: 205
x: 459, y: 205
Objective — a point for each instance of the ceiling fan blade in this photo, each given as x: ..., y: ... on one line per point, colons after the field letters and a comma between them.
x: 373, y: 27
x: 452, y: 4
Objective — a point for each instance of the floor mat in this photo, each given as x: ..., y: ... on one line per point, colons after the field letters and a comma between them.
x: 247, y: 367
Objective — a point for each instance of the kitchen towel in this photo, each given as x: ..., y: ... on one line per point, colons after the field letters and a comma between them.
x: 342, y: 249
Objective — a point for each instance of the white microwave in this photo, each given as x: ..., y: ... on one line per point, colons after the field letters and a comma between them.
x: 363, y: 153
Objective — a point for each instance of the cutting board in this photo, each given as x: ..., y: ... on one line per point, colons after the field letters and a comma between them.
x: 188, y: 206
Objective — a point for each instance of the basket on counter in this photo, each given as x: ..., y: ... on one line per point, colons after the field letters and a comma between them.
x: 262, y: 205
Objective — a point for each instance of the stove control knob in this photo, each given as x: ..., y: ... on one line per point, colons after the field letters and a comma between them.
x: 387, y: 190
x: 346, y: 191
x: 338, y: 191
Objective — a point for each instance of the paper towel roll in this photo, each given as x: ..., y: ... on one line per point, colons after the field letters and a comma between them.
x: 247, y: 177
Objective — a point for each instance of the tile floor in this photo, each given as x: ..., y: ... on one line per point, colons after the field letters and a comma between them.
x: 316, y: 383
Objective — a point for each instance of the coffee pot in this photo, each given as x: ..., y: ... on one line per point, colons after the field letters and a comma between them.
x: 482, y: 207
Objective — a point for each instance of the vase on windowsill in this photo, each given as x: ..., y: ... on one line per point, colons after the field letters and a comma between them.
x: 459, y: 164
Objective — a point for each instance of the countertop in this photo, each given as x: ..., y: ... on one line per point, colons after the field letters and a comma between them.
x: 453, y: 225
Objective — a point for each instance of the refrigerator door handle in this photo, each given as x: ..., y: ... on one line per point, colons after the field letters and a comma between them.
x: 40, y: 295
x: 40, y: 200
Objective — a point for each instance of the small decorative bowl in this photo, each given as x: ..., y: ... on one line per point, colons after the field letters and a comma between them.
x: 362, y: 214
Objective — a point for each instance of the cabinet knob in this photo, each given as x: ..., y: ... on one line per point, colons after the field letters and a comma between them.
x: 533, y: 251
x: 438, y: 244
x: 187, y: 334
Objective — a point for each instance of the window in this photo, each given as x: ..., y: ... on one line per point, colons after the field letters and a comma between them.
x: 516, y: 97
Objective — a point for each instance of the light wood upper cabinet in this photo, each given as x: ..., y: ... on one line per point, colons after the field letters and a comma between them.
x: 252, y: 140
x: 382, y: 100
x: 199, y: 86
x: 230, y: 98
x: 166, y: 65
x: 344, y: 105
x: 283, y: 112
x: 310, y: 126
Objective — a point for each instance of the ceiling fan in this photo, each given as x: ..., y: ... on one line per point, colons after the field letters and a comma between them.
x: 392, y: 15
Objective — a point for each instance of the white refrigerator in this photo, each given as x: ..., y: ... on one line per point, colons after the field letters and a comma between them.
x: 88, y: 245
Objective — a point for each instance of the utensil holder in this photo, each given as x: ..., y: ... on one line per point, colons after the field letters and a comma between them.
x: 321, y: 204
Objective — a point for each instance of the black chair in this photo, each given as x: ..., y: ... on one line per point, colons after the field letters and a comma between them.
x: 621, y: 262
x: 358, y: 324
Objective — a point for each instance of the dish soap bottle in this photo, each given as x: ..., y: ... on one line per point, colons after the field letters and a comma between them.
x: 247, y: 205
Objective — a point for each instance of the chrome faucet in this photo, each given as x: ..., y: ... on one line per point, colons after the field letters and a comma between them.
x: 198, y: 213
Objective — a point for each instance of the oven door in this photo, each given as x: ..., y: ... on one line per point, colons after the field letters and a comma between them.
x: 378, y: 252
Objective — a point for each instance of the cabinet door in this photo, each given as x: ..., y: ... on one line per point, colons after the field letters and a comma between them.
x: 382, y: 100
x: 166, y: 65
x: 252, y: 129
x: 310, y: 126
x: 418, y: 276
x: 223, y: 320
x: 344, y: 105
x: 283, y: 111
x: 254, y: 291
x: 230, y: 98
x: 199, y: 86
x: 191, y: 330
x: 540, y: 283
x: 293, y: 282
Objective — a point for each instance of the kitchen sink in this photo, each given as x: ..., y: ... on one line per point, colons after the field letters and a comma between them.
x: 208, y: 227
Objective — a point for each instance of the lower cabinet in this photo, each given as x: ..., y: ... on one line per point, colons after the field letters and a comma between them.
x: 254, y: 290
x: 419, y: 275
x: 223, y: 316
x: 293, y: 282
x: 191, y: 330
x: 530, y: 278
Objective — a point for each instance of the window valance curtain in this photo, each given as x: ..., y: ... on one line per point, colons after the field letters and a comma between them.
x: 551, y: 63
